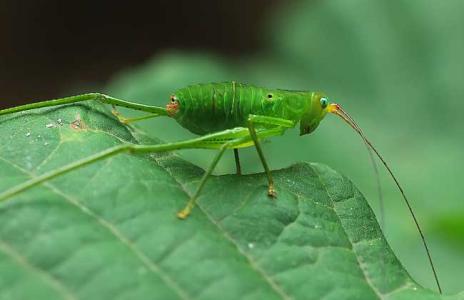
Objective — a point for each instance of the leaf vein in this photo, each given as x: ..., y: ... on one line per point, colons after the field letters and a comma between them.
x: 360, y: 263
x: 152, y: 266
x: 23, y: 262
x: 250, y: 260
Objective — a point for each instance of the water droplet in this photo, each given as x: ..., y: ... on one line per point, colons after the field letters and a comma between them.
x: 60, y: 122
x: 28, y: 134
x: 50, y: 125
x: 45, y: 144
x: 251, y: 245
x: 317, y: 226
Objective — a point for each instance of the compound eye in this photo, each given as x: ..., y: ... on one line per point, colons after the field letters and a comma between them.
x: 324, y: 102
x: 173, y: 99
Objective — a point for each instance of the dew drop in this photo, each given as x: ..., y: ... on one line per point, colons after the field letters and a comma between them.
x: 50, y: 125
x: 251, y: 245
x: 28, y: 134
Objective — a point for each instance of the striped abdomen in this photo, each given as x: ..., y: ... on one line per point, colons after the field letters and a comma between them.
x: 205, y: 108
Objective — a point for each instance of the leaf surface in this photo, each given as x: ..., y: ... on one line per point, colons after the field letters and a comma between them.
x: 109, y: 231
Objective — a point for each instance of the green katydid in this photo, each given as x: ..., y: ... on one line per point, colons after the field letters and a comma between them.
x: 226, y: 115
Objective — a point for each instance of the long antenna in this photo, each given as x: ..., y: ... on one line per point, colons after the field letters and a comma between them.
x: 374, y: 166
x: 336, y: 109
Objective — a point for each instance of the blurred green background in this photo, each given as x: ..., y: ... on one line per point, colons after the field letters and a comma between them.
x: 395, y: 65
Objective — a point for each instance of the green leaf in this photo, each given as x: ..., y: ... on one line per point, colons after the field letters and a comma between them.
x: 109, y: 230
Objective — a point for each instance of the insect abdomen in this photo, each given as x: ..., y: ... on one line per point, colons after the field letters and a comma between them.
x: 212, y: 107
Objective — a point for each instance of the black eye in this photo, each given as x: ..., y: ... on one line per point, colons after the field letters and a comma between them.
x: 324, y: 102
x: 269, y: 96
x: 173, y: 99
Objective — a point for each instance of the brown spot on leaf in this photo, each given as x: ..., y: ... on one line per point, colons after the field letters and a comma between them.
x: 78, y: 123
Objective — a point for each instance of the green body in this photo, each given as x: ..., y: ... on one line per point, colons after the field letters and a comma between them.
x: 212, y: 107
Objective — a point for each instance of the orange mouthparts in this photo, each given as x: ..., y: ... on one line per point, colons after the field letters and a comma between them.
x: 333, y: 108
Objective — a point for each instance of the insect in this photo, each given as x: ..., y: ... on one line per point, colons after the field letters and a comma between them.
x: 226, y: 115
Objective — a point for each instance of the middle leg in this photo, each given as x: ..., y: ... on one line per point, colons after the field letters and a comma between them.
x: 268, y: 122
x: 238, y: 168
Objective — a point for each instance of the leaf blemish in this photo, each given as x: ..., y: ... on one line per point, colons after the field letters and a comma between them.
x: 78, y: 124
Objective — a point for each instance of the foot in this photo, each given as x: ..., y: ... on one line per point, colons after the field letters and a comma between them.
x: 271, y: 192
x: 183, y: 214
x: 118, y: 115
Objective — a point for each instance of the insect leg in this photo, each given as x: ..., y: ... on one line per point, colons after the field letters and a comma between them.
x: 271, y: 121
x: 238, y: 168
x: 271, y: 190
x: 237, y: 142
x: 227, y: 139
x: 184, y: 213
x: 126, y: 121
x: 88, y: 97
x: 207, y: 141
x: 267, y: 122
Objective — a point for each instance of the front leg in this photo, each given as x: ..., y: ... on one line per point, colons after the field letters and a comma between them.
x: 267, y: 122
